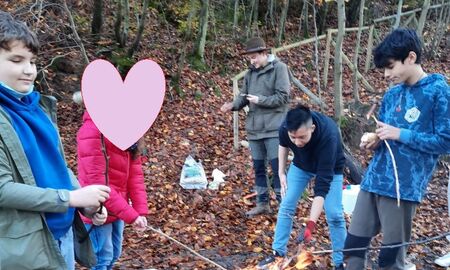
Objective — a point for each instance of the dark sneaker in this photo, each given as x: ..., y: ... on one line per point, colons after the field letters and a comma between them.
x: 339, y: 267
x: 261, y: 208
x: 271, y: 260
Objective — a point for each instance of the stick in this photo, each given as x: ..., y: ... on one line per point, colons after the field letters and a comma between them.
x: 158, y: 231
x: 394, y: 164
x: 423, y: 241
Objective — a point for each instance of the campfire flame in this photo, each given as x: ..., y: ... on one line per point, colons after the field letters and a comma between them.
x: 301, y: 259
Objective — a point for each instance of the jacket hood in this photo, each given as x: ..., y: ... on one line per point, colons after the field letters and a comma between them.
x: 430, y: 79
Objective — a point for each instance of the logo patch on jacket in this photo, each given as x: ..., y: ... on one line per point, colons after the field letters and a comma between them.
x: 412, y: 115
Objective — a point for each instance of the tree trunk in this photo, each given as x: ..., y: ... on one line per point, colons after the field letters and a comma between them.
x: 255, y: 28
x: 399, y: 14
x: 123, y: 15
x: 423, y: 17
x: 97, y: 17
x: 252, y: 18
x: 177, y: 77
x: 316, y: 53
x: 118, y: 22
x: 443, y: 21
x: 306, y: 20
x: 302, y: 13
x: 75, y: 33
x: 338, y: 105
x: 322, y: 17
x: 352, y: 11
x: 355, y: 57
x: 282, y: 21
x: 269, y: 14
x: 235, y: 17
x: 199, y: 50
x: 138, y: 37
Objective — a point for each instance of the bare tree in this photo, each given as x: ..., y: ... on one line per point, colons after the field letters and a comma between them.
x: 282, y: 23
x: 303, y: 22
x: 252, y: 24
x: 443, y: 22
x: 138, y: 37
x: 235, y: 16
x: 338, y: 105
x: 322, y: 16
x: 176, y: 78
x: 316, y: 53
x: 97, y: 17
x: 423, y: 17
x: 75, y: 33
x: 355, y: 57
x: 122, y: 15
x: 269, y: 14
x: 199, y: 50
x: 399, y: 14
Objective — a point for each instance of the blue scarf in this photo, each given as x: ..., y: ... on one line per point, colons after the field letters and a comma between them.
x: 40, y: 141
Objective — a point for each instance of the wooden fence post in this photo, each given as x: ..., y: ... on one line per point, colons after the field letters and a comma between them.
x: 235, y: 117
x: 327, y: 58
x: 369, y: 49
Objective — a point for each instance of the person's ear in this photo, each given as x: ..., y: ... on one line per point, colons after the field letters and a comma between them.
x: 412, y: 57
x: 313, y: 127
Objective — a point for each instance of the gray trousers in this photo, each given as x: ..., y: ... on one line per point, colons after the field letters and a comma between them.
x: 265, y: 150
x: 374, y: 214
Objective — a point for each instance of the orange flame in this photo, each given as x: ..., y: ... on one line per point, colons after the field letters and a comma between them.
x: 302, y: 260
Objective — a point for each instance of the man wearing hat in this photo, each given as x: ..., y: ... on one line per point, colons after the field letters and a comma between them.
x: 266, y: 92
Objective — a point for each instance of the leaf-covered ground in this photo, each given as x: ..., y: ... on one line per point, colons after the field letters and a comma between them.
x: 213, y: 222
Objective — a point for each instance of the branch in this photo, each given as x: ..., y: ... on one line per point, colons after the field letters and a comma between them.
x: 158, y: 231
x: 74, y: 29
x: 51, y: 62
x: 418, y: 242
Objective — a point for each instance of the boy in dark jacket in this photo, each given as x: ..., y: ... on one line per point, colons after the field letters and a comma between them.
x: 414, y: 119
x: 315, y: 141
x: 266, y: 93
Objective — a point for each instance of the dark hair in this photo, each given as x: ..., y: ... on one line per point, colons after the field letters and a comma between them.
x: 297, y: 117
x: 15, y: 30
x: 396, y: 46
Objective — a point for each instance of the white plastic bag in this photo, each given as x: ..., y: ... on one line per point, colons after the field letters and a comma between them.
x: 193, y: 175
x: 218, y: 179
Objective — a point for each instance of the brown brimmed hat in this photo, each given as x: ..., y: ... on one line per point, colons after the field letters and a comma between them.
x: 255, y: 44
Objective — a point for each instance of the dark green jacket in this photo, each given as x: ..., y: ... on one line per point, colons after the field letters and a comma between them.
x: 271, y: 84
x: 25, y: 240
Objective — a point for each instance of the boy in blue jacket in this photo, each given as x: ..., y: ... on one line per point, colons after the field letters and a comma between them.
x: 414, y: 119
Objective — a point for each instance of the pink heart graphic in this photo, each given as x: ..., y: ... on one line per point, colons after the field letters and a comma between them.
x: 123, y: 110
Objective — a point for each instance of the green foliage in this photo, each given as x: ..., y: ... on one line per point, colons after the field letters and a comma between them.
x: 343, y: 122
x: 411, y: 4
x: 198, y: 95
x: 81, y: 21
x: 178, y: 13
x: 309, y: 66
x: 175, y: 83
x: 197, y: 63
x: 216, y: 89
x: 122, y: 62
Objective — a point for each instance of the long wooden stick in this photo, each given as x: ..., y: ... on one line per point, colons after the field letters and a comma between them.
x: 394, y: 163
x: 158, y: 231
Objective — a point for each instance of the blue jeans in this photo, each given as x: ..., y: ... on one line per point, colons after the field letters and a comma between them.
x: 107, y: 242
x: 65, y: 244
x: 297, y: 179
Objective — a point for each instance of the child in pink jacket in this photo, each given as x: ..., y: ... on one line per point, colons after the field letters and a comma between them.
x: 126, y: 181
